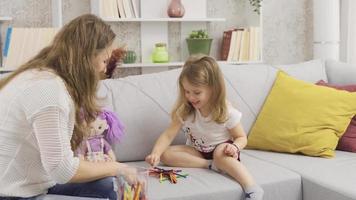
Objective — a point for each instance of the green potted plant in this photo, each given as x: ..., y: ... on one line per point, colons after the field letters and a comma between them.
x: 256, y: 4
x: 199, y: 42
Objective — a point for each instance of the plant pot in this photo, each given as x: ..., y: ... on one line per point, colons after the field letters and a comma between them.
x: 199, y: 45
x: 130, y: 57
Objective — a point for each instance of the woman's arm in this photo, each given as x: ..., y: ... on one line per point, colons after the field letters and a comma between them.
x: 89, y: 171
x: 51, y: 131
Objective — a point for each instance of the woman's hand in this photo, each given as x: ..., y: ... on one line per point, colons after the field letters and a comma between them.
x: 153, y: 159
x: 129, y: 173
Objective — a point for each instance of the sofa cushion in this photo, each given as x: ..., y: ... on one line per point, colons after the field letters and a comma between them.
x: 340, y: 73
x: 347, y: 141
x: 239, y: 80
x: 248, y: 85
x: 309, y: 71
x: 277, y: 182
x: 323, y: 179
x: 143, y: 103
x: 300, y: 117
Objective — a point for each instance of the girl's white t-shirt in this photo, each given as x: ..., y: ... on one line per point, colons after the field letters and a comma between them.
x: 204, y: 134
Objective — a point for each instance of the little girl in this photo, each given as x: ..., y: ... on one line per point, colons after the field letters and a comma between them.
x: 215, y: 136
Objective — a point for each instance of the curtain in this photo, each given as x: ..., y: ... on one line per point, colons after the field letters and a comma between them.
x: 348, y: 31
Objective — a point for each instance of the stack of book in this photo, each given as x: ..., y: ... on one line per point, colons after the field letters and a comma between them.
x: 21, y: 44
x: 115, y: 8
x: 241, y: 45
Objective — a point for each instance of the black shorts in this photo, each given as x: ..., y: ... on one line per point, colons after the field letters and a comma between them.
x: 210, y: 155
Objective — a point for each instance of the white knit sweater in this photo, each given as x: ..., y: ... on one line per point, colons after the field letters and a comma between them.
x: 36, y: 124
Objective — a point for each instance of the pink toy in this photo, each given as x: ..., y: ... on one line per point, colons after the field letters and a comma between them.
x: 106, y: 130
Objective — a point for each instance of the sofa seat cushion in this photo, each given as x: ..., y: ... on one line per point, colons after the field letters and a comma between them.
x: 278, y: 183
x: 323, y: 179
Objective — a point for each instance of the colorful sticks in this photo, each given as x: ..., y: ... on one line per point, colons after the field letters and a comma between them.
x: 131, y: 191
x: 164, y: 174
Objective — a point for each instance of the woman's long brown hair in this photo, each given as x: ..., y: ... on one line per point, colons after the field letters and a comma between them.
x: 70, y: 56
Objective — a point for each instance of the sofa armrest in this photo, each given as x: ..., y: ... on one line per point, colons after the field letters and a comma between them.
x: 340, y: 73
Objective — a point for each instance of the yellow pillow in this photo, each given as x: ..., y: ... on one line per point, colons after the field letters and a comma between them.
x: 300, y: 117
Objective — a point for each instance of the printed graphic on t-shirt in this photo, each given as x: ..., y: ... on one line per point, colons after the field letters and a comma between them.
x: 197, y: 143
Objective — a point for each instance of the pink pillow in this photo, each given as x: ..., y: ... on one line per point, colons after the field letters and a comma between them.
x: 348, y: 140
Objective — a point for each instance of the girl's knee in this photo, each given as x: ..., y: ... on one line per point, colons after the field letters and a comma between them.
x: 165, y: 157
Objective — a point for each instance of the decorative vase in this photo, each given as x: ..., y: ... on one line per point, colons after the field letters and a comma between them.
x: 160, y: 53
x: 199, y: 45
x: 130, y: 57
x: 175, y: 9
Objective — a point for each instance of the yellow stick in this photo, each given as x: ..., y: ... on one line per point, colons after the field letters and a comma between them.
x: 137, y: 191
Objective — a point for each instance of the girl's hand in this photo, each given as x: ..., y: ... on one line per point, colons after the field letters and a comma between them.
x: 231, y: 150
x: 153, y: 159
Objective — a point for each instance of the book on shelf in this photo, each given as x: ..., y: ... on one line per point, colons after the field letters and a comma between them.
x: 241, y: 45
x: 115, y: 9
x: 232, y: 45
x: 127, y: 8
x: 245, y: 46
x: 25, y: 43
x: 237, y: 44
x: 134, y: 8
x: 108, y: 9
x: 225, y: 47
x: 120, y: 7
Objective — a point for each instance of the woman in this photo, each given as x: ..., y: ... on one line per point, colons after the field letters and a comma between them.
x: 42, y: 105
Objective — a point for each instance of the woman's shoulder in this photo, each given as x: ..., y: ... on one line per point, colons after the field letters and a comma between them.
x: 41, y: 84
x: 41, y: 80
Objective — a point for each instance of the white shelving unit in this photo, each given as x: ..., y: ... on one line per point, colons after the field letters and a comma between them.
x: 3, y: 19
x: 56, y: 22
x: 154, y: 27
x: 179, y: 64
x: 164, y: 19
x: 154, y: 65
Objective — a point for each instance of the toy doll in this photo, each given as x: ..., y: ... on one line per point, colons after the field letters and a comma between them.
x: 106, y: 130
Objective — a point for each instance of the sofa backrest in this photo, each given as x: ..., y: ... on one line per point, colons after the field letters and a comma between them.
x: 340, y: 73
x: 144, y: 102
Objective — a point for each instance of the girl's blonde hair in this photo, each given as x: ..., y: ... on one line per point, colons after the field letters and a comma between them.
x: 71, y: 56
x: 202, y: 70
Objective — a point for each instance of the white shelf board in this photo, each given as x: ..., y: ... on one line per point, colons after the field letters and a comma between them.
x: 5, y: 70
x: 170, y: 64
x: 164, y: 19
x: 5, y: 19
x: 241, y: 63
x: 179, y: 64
